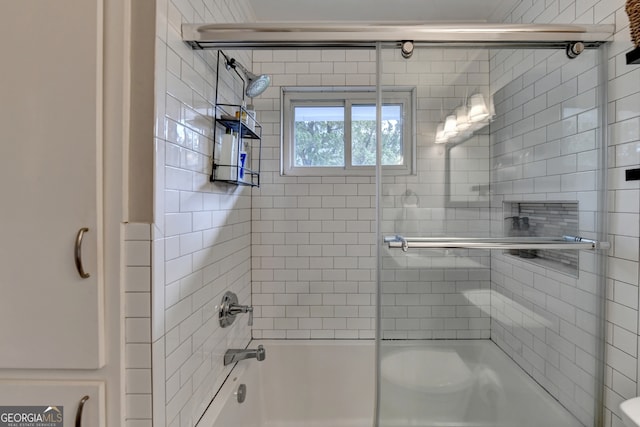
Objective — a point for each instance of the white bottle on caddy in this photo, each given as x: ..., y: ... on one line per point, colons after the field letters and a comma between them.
x: 242, y: 158
x: 228, y: 164
x: 244, y: 163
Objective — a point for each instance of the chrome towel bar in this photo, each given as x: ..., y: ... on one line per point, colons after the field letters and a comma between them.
x: 564, y: 242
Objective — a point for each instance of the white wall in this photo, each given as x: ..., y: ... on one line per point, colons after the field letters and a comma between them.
x: 201, y: 236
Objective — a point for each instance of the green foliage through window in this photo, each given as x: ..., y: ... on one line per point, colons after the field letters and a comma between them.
x: 332, y: 130
x: 363, y: 135
x: 319, y: 136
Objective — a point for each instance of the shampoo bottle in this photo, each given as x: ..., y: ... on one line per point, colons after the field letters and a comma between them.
x: 244, y: 164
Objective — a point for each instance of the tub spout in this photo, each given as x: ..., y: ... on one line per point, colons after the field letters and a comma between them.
x: 235, y: 355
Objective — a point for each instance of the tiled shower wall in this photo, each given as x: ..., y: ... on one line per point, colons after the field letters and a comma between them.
x: 436, y: 294
x: 137, y: 306
x: 202, y: 231
x: 313, y: 243
x: 313, y: 237
x: 564, y: 349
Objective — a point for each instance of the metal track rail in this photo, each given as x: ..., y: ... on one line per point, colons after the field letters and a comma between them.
x: 504, y: 243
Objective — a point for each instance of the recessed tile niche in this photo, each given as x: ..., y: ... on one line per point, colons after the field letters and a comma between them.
x: 544, y: 219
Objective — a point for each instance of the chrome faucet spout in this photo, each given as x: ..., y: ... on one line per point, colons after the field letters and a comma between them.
x: 235, y: 355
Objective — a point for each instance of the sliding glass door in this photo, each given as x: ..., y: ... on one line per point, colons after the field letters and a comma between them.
x: 491, y: 273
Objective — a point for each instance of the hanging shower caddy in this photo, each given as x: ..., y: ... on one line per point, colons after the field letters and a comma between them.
x: 242, y: 166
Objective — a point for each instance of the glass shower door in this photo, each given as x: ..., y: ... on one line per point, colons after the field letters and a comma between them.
x: 490, y: 275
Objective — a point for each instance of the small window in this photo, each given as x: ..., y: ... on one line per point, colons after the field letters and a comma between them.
x: 333, y: 132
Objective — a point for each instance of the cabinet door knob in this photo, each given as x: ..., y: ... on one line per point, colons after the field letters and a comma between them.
x: 78, y: 253
x: 79, y: 411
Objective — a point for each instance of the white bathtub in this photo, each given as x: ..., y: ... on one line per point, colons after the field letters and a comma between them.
x: 331, y: 384
x: 300, y: 384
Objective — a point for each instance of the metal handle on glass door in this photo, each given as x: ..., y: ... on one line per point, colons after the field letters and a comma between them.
x: 78, y: 253
x: 79, y: 411
x: 565, y: 242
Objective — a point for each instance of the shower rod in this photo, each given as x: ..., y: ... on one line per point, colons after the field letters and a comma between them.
x: 367, y: 34
x: 564, y: 242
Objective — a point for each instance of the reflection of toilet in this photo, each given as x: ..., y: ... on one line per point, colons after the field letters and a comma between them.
x: 427, y: 382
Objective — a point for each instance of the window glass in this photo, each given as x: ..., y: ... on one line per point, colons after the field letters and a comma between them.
x: 331, y: 131
x: 363, y: 135
x: 319, y: 136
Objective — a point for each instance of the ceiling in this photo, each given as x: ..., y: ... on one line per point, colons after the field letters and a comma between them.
x: 382, y: 10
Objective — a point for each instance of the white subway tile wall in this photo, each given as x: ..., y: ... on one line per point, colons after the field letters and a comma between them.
x: 313, y: 264
x: 314, y: 238
x: 138, y: 385
x: 544, y: 318
x: 202, y: 231
x: 437, y: 294
x: 563, y: 368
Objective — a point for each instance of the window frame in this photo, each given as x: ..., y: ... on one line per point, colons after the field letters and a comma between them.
x: 346, y: 97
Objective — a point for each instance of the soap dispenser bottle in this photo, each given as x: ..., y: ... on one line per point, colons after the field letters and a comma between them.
x: 514, y: 231
x: 526, y: 232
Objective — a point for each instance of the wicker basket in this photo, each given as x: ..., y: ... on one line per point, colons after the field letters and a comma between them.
x: 633, y: 10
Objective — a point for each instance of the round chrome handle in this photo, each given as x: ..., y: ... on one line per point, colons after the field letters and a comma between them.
x: 78, y: 253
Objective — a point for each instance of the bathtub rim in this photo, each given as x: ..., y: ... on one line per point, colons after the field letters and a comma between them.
x: 225, y: 392
x: 310, y: 342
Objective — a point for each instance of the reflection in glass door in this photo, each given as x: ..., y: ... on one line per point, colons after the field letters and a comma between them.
x: 496, y: 322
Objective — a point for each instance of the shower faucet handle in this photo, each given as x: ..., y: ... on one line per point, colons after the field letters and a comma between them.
x: 236, y: 309
x: 229, y: 309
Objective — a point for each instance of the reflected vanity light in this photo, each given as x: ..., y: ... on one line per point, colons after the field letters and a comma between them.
x: 462, y: 119
x: 478, y: 110
x: 450, y: 126
x: 440, y: 138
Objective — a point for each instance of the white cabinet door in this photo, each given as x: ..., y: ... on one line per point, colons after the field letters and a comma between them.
x: 50, y: 183
x: 57, y: 402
